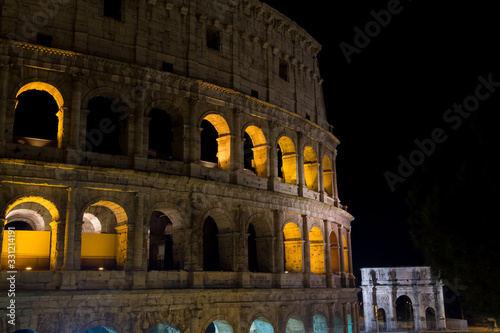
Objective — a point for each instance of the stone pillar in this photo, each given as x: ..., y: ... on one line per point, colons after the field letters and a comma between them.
x: 273, y: 156
x: 236, y: 147
x: 321, y: 180
x: 70, y: 233
x: 336, y: 199
x: 343, y: 276
x: 300, y: 164
x: 328, y: 259
x: 345, y: 319
x: 278, y: 220
x: 369, y: 308
x: 440, y: 311
x: 306, y: 258
x: 76, y: 101
x: 4, y: 83
x: 122, y: 241
x: 57, y: 244
x: 352, y: 282
x: 139, y: 259
x: 417, y: 315
x: 139, y: 129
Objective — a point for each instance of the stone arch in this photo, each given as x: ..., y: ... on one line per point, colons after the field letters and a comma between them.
x: 39, y: 115
x: 381, y: 318
x: 222, y: 146
x: 176, y: 232
x: 292, y: 239
x: 327, y: 176
x: 404, y: 312
x: 334, y: 253
x: 47, y: 204
x: 287, y: 160
x: 320, y: 324
x: 430, y: 318
x: 294, y: 324
x: 217, y: 324
x: 217, y: 246
x: 107, y: 249
x: 261, y: 325
x: 107, y: 124
x: 311, y: 168
x: 317, y: 251
x: 255, y: 150
x: 164, y: 328
x: 259, y: 244
x: 91, y: 224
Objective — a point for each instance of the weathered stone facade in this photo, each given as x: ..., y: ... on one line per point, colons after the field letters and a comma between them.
x: 402, y: 298
x: 168, y: 165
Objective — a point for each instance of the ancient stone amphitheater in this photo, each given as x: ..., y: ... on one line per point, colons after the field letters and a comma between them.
x: 167, y: 166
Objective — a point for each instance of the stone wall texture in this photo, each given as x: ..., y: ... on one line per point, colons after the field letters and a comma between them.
x: 167, y: 166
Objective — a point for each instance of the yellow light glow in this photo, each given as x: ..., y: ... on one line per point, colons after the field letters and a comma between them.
x: 293, y: 248
x: 28, y: 268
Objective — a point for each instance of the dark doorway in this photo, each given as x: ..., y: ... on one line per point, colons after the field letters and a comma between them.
x: 210, y: 246
x: 160, y: 243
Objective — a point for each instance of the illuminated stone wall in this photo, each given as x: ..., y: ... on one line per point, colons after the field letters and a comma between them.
x: 190, y: 141
x: 396, y: 298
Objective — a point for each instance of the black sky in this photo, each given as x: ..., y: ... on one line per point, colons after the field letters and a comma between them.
x: 395, y: 91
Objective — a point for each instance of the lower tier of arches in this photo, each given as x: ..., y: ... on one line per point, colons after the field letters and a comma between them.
x: 175, y: 311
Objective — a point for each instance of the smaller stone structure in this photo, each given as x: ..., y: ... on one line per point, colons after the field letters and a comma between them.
x: 402, y: 298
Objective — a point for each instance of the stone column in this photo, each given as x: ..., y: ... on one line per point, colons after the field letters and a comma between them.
x: 300, y: 164
x: 70, y: 244
x: 306, y: 259
x: 343, y: 276
x: 76, y: 102
x: 236, y: 147
x: 355, y: 317
x: 352, y: 282
x: 4, y: 83
x: 328, y: 258
x: 278, y: 269
x: 417, y: 315
x: 440, y: 311
x: 336, y: 199
x: 57, y: 244
x: 138, y: 259
x: 273, y: 156
x: 321, y: 180
x: 345, y: 319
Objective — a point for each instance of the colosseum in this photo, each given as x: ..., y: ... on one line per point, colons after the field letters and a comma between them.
x: 167, y: 166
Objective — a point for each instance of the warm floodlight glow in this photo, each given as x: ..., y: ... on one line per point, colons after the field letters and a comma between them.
x: 28, y: 268
x: 101, y: 268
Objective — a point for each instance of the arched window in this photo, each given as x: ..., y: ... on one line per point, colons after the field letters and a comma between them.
x: 259, y: 247
x: 319, y: 323
x: 161, y: 137
x: 255, y: 151
x: 102, y: 250
x: 327, y: 176
x: 101, y: 329
x: 295, y: 325
x: 161, y: 245
x: 38, y: 118
x: 288, y: 160
x: 430, y: 318
x: 106, y: 127
x: 261, y: 325
x: 210, y: 246
x: 334, y: 253
x: 215, y: 142
x: 164, y: 328
x: 381, y: 319
x: 292, y: 248
x: 311, y: 168
x: 317, y: 251
x: 219, y: 326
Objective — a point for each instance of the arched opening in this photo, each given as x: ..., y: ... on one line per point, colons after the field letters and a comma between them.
x: 337, y: 322
x: 317, y: 251
x: 292, y: 248
x: 36, y: 119
x: 161, y: 244
x: 319, y: 323
x: 261, y: 325
x: 334, y: 253
x: 288, y: 160
x: 255, y: 151
x: 106, y: 127
x: 210, y: 245
x: 327, y: 176
x: 215, y: 142
x: 253, y: 264
x: 430, y: 318
x: 101, y: 329
x: 381, y: 319
x: 164, y: 328
x: 346, y: 255
x: 311, y: 168
x: 295, y: 325
x: 161, y: 136
x: 219, y: 326
x: 27, y: 234
x: 103, y: 231
x: 404, y: 312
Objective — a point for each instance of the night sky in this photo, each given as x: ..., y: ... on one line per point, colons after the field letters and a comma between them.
x: 396, y: 89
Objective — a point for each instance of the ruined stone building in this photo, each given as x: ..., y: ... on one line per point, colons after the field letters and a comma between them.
x: 167, y: 166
